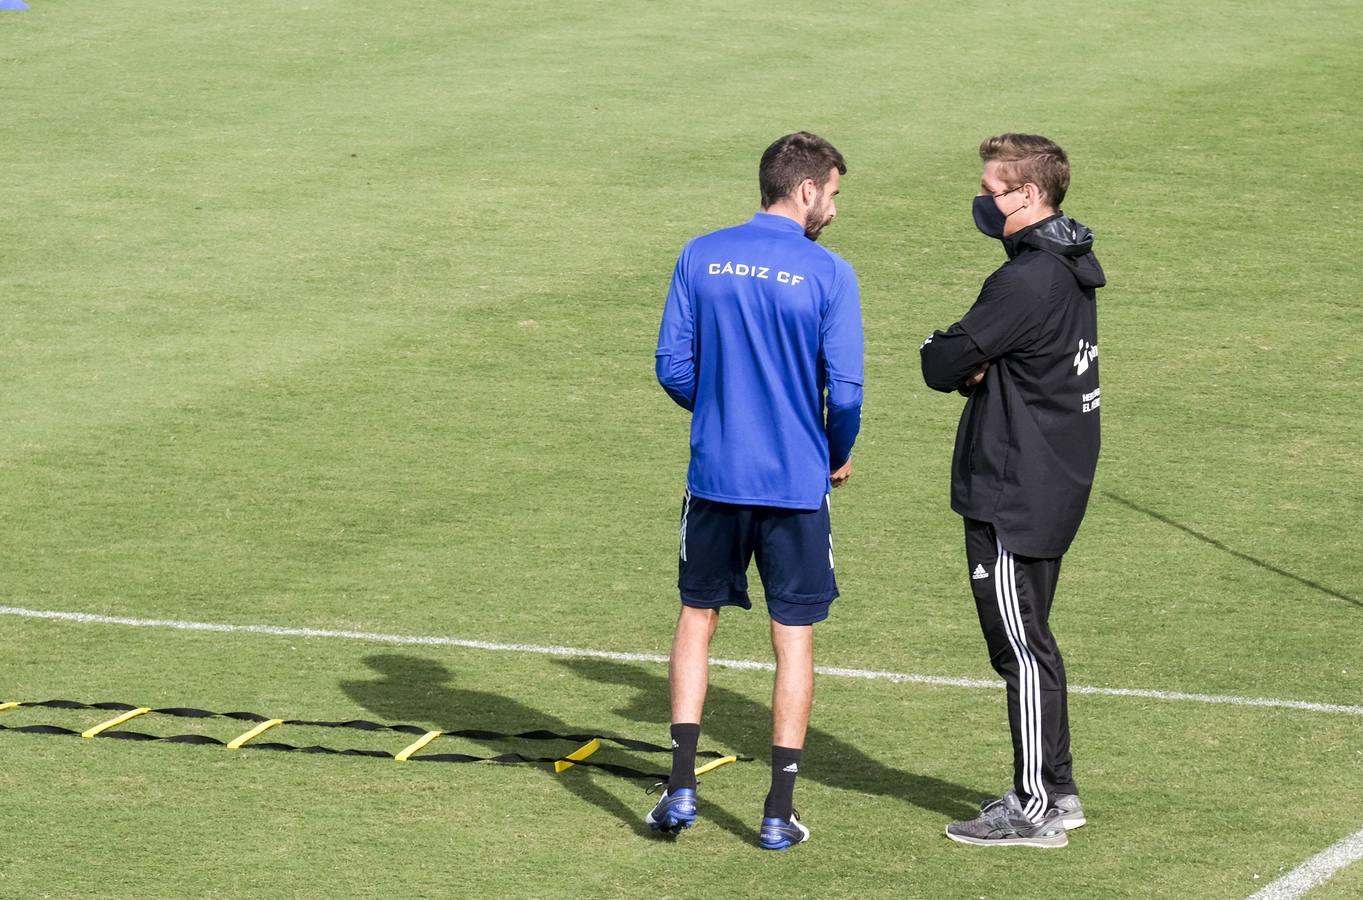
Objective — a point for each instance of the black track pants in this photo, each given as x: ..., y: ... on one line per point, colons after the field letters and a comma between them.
x: 1013, y: 596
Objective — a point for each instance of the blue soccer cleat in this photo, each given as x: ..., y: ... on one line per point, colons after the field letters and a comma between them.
x: 782, y: 834
x: 675, y: 812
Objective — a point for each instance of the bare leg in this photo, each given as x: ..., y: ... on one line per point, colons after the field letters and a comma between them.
x: 689, y: 670
x: 793, y: 693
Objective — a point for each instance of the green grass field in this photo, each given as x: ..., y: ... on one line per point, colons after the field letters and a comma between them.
x: 341, y: 316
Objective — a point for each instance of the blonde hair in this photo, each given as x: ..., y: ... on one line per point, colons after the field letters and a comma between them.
x: 1030, y: 158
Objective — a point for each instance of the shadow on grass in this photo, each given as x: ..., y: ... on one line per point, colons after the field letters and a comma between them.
x: 1232, y: 551
x: 414, y: 690
x: 743, y: 723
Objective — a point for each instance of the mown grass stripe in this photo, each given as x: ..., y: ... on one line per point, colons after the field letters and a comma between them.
x: 588, y: 653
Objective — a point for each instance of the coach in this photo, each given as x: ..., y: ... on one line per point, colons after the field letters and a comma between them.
x: 1026, y: 356
x: 761, y: 340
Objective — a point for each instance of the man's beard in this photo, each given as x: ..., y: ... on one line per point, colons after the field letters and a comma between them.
x: 815, y: 222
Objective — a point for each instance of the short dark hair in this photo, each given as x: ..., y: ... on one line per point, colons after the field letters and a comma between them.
x: 1030, y: 157
x: 792, y: 159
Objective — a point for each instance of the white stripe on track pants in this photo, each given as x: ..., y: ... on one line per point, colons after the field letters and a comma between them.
x: 1013, y: 596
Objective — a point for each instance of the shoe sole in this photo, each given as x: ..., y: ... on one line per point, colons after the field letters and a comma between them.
x: 1045, y: 843
x: 675, y: 827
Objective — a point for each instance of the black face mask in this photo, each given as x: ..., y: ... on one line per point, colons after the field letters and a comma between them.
x: 988, y: 217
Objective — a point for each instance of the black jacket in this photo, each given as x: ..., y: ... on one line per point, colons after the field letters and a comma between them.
x: 1027, y: 444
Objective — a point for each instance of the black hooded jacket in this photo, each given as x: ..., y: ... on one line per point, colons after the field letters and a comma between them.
x: 1027, y: 444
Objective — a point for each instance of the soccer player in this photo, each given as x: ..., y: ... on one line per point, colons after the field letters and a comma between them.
x: 1026, y: 356
x: 761, y: 341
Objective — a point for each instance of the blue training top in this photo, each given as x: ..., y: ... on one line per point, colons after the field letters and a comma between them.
x: 759, y: 321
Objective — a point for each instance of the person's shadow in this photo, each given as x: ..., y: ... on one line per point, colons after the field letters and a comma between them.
x: 740, y: 722
x: 411, y: 689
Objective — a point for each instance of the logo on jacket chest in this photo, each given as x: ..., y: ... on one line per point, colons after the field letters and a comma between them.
x: 1086, y: 354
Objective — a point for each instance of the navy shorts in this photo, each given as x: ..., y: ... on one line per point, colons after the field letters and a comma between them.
x: 794, y: 550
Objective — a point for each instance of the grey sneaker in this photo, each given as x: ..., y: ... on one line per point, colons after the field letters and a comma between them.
x: 1071, y: 811
x: 1002, y: 823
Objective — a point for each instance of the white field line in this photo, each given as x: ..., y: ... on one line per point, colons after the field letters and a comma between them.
x: 1315, y: 871
x: 585, y: 653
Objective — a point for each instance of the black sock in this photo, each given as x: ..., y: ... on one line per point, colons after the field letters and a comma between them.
x: 785, y: 765
x: 684, y: 739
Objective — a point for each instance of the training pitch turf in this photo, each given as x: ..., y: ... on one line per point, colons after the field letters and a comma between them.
x: 341, y: 316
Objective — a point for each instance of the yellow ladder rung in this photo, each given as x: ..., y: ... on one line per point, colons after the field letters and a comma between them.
x: 105, y: 726
x: 259, y: 729
x: 417, y: 745
x: 710, y: 767
x: 577, y: 755
x: 5, y: 706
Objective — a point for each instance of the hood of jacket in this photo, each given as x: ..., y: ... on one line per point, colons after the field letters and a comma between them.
x: 1065, y: 238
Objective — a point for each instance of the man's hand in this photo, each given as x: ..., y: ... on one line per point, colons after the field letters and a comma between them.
x: 842, y: 475
x: 968, y: 388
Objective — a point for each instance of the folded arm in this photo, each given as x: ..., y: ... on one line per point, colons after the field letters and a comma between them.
x: 951, y: 360
x: 1005, y: 318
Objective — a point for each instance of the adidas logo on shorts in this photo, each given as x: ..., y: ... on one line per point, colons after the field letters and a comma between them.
x: 978, y: 573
